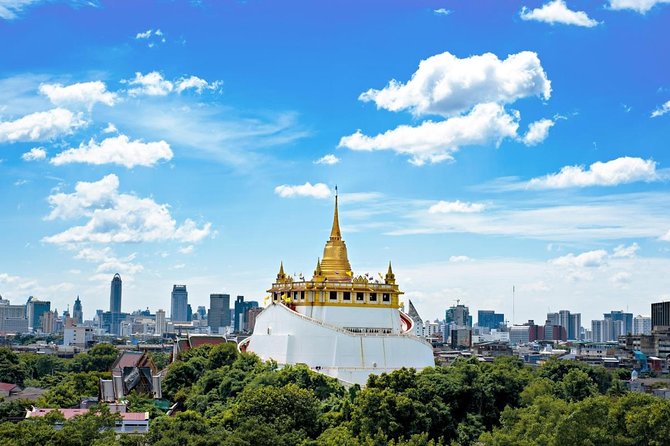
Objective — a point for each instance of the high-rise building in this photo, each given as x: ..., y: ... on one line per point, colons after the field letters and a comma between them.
x: 660, y: 316
x: 35, y: 309
x: 115, y: 304
x: 241, y: 310
x: 77, y: 312
x: 189, y: 313
x: 161, y: 324
x: 490, y: 319
x: 179, y: 307
x: 218, y: 317
x: 458, y: 316
x: 575, y: 327
x: 202, y: 312
x: 626, y: 318
x: 641, y: 325
x: 13, y: 318
x: 597, y: 332
x: 553, y: 319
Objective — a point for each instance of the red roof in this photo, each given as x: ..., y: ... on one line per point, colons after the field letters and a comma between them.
x: 71, y: 413
x: 7, y: 387
x: 197, y: 341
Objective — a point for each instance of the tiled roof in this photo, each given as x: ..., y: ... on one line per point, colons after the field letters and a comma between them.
x: 71, y: 413
x: 7, y: 387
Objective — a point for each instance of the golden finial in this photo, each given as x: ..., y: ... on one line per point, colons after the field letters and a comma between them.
x: 335, y: 233
x: 335, y: 264
x: 281, y: 276
x: 390, y: 277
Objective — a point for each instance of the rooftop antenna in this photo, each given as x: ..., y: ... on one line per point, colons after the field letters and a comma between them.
x: 513, y: 293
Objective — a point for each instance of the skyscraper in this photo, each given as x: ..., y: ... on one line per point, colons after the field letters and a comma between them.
x: 490, y: 319
x: 626, y: 318
x: 219, y: 312
x: 115, y: 304
x: 179, y: 304
x: 77, y: 312
x: 241, y: 309
x: 660, y: 316
x: 642, y: 325
x: 161, y: 325
x: 35, y: 309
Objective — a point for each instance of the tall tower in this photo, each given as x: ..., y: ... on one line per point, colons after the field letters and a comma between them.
x: 219, y: 312
x: 179, y: 304
x: 115, y: 304
x: 161, y: 326
x: 77, y: 312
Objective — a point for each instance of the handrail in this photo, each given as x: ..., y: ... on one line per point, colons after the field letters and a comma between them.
x: 349, y: 333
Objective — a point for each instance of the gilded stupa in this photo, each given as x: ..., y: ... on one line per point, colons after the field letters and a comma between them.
x: 343, y: 325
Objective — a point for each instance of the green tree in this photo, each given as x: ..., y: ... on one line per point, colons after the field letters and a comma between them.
x: 11, y: 370
x: 576, y: 385
x: 222, y: 354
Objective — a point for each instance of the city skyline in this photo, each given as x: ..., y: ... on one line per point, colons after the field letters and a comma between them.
x: 479, y: 146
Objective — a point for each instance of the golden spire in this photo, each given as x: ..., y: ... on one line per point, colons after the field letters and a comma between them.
x: 390, y: 277
x: 335, y: 263
x: 281, y: 277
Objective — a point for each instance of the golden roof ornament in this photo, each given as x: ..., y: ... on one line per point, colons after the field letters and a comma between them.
x: 390, y: 277
x: 335, y: 264
x: 281, y: 276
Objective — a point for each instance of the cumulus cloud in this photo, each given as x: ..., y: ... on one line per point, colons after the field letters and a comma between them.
x: 621, y: 278
x: 111, y: 128
x: 108, y: 262
x: 666, y: 237
x: 197, y: 84
x: 35, y: 154
x: 114, y: 217
x: 116, y: 150
x: 446, y: 85
x: 40, y: 126
x: 150, y: 84
x: 329, y: 159
x: 557, y: 11
x: 437, y: 141
x: 84, y: 93
x: 611, y: 173
x: 589, y: 259
x: 442, y: 11
x: 623, y: 251
x: 318, y: 190
x: 537, y: 132
x: 186, y: 249
x: 641, y: 6
x: 445, y: 207
x: 660, y: 111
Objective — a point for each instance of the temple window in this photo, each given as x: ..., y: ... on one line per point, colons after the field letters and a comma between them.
x: 386, y: 297
x: 359, y: 297
x: 346, y: 295
x: 333, y: 295
x: 373, y: 297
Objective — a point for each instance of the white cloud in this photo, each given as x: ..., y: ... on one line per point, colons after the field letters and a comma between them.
x: 611, y: 173
x: 108, y: 262
x: 150, y: 84
x: 40, y: 126
x: 444, y: 207
x: 9, y: 9
x: 116, y: 150
x: 197, y: 84
x: 111, y: 128
x: 621, y: 278
x: 318, y: 190
x: 442, y: 11
x: 623, y: 251
x: 436, y: 141
x: 35, y: 154
x: 660, y: 111
x: 589, y: 259
x: 537, y: 132
x: 556, y: 11
x: 85, y: 93
x: 666, y: 237
x: 459, y: 259
x: 641, y: 6
x: 446, y: 85
x: 144, y: 35
x: 186, y: 249
x: 329, y: 159
x: 116, y: 217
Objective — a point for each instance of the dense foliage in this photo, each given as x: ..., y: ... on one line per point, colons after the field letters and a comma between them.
x: 228, y: 398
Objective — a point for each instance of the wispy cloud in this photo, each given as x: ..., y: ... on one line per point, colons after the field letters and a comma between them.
x: 318, y: 190
x: 641, y: 6
x: 660, y: 111
x: 329, y: 160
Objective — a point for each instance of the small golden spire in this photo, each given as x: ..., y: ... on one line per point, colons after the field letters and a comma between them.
x: 281, y: 276
x: 390, y: 277
x: 335, y: 233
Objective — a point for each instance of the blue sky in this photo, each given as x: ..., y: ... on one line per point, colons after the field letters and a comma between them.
x: 479, y: 145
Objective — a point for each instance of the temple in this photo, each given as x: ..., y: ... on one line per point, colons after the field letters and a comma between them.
x: 339, y: 324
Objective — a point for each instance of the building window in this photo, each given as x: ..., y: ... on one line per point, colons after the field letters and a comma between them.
x: 333, y: 295
x: 346, y: 295
x: 386, y: 297
x: 295, y: 295
x: 359, y: 297
x: 373, y: 297
x: 302, y: 295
